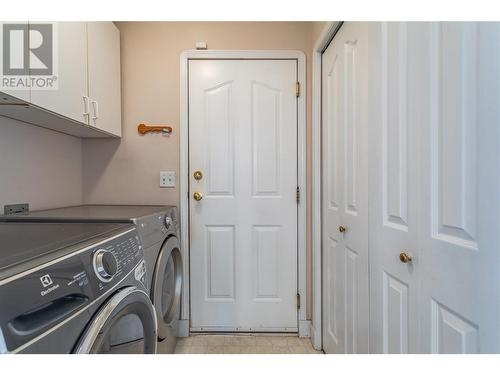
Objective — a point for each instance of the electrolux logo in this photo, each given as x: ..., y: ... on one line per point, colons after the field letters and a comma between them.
x: 46, y: 280
x: 29, y: 56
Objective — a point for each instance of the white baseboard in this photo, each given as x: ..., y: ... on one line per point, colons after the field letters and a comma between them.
x: 304, y: 328
x: 183, y: 328
x: 315, y: 338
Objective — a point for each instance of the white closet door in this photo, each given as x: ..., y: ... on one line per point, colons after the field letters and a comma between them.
x: 460, y: 296
x: 345, y: 180
x: 394, y: 187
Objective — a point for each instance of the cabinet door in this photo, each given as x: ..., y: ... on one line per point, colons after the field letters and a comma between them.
x: 68, y: 99
x: 104, y: 76
x: 18, y: 44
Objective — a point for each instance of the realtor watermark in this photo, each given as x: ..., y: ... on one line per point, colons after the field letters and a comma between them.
x: 29, y: 56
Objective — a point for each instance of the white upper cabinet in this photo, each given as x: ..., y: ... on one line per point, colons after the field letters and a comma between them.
x: 86, y: 64
x: 69, y: 99
x: 104, y: 76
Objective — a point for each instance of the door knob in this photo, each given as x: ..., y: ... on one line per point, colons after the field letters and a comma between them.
x: 405, y: 257
x: 342, y: 229
x: 197, y: 196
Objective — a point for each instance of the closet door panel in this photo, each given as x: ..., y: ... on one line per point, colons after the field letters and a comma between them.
x: 345, y: 201
x: 393, y: 189
x: 460, y: 291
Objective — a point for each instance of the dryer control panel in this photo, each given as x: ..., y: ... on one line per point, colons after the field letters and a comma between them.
x: 115, y: 260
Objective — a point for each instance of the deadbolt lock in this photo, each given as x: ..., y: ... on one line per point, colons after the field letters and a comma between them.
x: 197, y: 196
x: 198, y: 175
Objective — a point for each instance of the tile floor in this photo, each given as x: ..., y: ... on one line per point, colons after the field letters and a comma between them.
x: 244, y: 344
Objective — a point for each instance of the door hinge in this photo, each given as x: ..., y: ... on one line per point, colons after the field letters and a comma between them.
x: 297, y: 197
x: 297, y: 89
x: 298, y: 301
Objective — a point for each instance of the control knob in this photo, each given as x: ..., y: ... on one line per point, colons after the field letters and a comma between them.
x: 105, y: 265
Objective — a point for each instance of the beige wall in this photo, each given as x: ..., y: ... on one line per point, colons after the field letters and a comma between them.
x: 127, y: 171
x: 316, y: 30
x: 38, y: 166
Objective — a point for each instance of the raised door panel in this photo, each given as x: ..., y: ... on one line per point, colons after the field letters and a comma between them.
x: 451, y: 333
x: 69, y: 98
x: 266, y: 122
x: 219, y: 123
x: 331, y: 126
x: 351, y: 127
x: 351, y: 301
x: 453, y: 134
x: 333, y: 285
x: 395, y: 315
x: 104, y: 76
x: 395, y: 125
x: 267, y: 246
x: 220, y: 262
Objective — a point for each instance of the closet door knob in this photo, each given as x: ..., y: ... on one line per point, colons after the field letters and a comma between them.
x: 342, y: 229
x: 404, y: 257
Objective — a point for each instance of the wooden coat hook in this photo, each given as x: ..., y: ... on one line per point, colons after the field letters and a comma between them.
x: 143, y: 129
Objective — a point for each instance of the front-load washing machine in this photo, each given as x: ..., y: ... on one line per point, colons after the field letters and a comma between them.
x: 74, y: 288
x: 158, y: 230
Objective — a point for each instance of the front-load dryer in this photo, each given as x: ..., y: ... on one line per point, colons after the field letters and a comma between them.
x: 158, y: 230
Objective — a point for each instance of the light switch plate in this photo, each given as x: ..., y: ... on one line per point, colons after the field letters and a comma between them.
x: 167, y: 179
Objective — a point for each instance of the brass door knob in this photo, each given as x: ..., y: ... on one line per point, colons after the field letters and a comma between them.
x: 342, y: 229
x: 405, y: 257
x: 197, y: 196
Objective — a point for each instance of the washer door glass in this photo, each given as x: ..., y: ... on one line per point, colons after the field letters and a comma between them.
x: 166, y: 291
x: 125, y: 324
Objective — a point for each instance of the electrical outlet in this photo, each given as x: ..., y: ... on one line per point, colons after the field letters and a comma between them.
x: 167, y: 179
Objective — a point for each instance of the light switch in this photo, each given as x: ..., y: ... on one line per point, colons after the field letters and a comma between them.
x: 167, y: 179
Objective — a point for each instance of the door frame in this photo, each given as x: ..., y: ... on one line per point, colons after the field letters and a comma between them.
x: 320, y: 45
x: 299, y: 56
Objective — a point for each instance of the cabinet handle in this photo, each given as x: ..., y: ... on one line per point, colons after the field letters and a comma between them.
x: 95, y: 107
x: 86, y: 110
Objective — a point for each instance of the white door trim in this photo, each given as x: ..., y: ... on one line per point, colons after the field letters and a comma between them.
x: 301, y: 169
x: 320, y: 45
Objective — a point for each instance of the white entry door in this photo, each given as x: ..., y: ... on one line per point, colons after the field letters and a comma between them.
x: 243, y: 227
x: 344, y: 192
